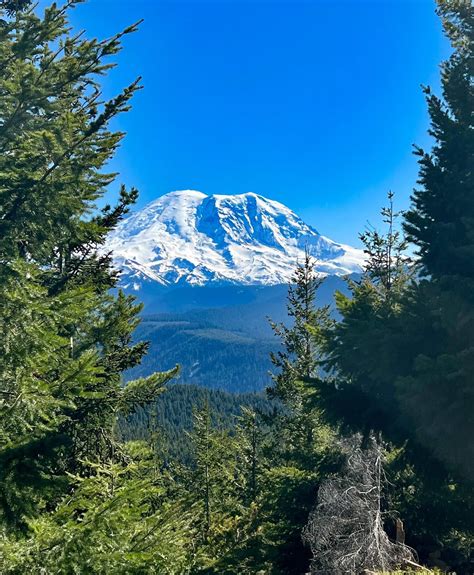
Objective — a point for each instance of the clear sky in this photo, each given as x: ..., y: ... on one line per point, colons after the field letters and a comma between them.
x: 315, y: 104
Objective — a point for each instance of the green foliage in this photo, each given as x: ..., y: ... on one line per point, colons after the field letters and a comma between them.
x: 65, y: 339
x: 214, y: 467
x: 297, y: 362
x: 12, y: 6
x: 169, y: 420
x: 300, y: 445
x: 211, y: 353
x: 120, y: 519
x: 401, y: 356
x: 218, y: 484
x: 298, y: 429
x: 437, y: 390
x: 388, y: 266
x: 371, y: 351
x: 440, y: 222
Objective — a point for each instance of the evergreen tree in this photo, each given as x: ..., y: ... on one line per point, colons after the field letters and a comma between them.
x: 250, y: 436
x: 368, y: 351
x: 13, y: 6
x: 361, y: 354
x: 402, y: 357
x: 123, y: 518
x: 214, y: 476
x: 387, y: 265
x: 65, y: 339
x: 441, y: 220
x: 299, y: 447
x: 217, y: 487
x: 438, y: 389
x: 296, y: 423
x: 73, y: 497
x: 297, y: 361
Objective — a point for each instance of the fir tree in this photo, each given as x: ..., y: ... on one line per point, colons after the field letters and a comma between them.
x: 297, y: 361
x: 123, y: 518
x: 65, y: 339
x: 387, y: 265
x: 215, y: 466
x: 299, y: 447
x: 361, y: 354
x: 295, y: 422
x: 403, y: 357
x: 369, y: 349
x: 441, y: 220
x: 250, y: 437
x: 438, y: 390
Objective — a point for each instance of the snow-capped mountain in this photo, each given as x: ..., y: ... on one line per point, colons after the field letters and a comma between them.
x: 187, y: 237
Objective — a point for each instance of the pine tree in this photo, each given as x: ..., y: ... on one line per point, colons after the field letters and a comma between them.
x: 403, y: 358
x: 122, y: 518
x: 214, y: 476
x: 65, y: 340
x: 438, y: 390
x: 406, y: 361
x: 297, y: 362
x: 250, y: 435
x: 13, y: 6
x: 300, y: 446
x: 387, y: 265
x: 205, y: 461
x: 361, y: 352
x: 441, y: 220
x: 296, y: 423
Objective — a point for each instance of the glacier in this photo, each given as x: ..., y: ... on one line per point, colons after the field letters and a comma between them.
x: 187, y: 237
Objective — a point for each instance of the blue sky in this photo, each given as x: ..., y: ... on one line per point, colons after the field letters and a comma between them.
x: 315, y: 104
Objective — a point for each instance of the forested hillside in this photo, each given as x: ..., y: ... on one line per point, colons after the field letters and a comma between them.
x: 169, y: 420
x: 209, y: 356
x: 360, y: 457
x: 220, y: 336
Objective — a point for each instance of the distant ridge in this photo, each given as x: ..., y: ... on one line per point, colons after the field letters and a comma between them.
x: 189, y: 238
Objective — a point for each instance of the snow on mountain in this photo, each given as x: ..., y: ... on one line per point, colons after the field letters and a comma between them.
x: 192, y: 238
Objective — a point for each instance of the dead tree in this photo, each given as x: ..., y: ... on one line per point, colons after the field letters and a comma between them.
x: 345, y: 529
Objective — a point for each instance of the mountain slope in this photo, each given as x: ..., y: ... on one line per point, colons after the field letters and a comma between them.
x: 171, y: 414
x: 189, y: 238
x: 219, y: 335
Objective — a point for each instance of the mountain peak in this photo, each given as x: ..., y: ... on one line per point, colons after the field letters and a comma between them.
x: 189, y: 237
x: 184, y: 194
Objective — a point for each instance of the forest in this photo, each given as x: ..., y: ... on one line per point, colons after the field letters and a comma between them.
x: 359, y: 457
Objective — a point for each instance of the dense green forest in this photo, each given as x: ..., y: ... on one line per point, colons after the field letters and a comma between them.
x: 220, y: 336
x: 209, y: 356
x: 361, y: 457
x: 169, y: 419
